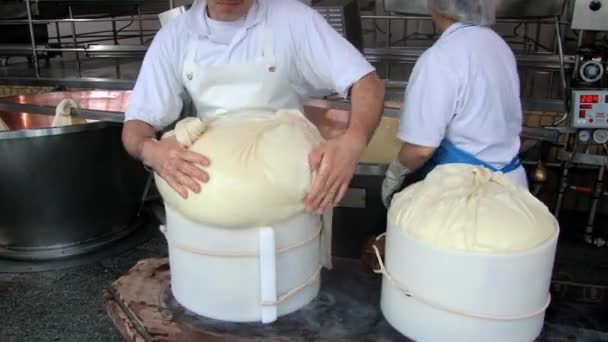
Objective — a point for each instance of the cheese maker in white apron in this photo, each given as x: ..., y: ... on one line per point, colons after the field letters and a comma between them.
x: 270, y: 253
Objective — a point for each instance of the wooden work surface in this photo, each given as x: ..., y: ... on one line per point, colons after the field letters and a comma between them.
x: 347, y: 309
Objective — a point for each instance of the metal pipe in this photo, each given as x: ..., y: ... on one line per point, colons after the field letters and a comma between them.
x: 31, y: 27
x: 595, y: 198
x: 387, y: 33
x: 428, y: 18
x: 562, y: 73
x: 58, y: 33
x: 114, y: 33
x: 405, y: 22
x: 116, y: 61
x: 526, y: 43
x: 141, y: 32
x: 579, y: 43
x: 93, y: 33
x: 75, y: 40
x: 537, y: 37
x: 143, y: 17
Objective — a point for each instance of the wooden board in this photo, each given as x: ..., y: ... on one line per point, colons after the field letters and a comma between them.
x: 142, y: 308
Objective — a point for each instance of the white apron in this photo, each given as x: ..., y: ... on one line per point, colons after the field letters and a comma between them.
x: 261, y: 84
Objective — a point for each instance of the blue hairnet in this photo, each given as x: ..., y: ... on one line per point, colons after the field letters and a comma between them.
x: 475, y: 12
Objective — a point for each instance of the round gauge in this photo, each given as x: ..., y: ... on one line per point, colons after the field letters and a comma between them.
x: 592, y: 71
x: 584, y: 136
x: 601, y: 136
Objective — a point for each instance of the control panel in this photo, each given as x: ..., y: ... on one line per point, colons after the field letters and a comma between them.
x: 590, y: 15
x: 589, y: 109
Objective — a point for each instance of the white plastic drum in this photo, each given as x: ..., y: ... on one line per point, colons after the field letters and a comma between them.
x: 434, y: 294
x: 244, y: 275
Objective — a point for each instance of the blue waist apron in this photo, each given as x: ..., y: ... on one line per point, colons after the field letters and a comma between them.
x: 448, y: 153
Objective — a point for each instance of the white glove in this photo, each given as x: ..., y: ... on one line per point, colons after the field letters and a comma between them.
x: 393, y: 179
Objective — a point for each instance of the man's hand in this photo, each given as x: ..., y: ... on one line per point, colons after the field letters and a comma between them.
x: 333, y: 164
x: 179, y: 167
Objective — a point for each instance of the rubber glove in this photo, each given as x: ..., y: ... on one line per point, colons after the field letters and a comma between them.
x: 393, y: 179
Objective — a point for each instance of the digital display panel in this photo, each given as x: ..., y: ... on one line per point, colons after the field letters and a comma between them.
x: 589, y: 99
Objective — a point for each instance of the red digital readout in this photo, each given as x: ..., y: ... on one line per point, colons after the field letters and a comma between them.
x: 589, y: 99
x: 587, y: 106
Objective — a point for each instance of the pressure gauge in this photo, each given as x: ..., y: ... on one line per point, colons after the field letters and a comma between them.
x: 600, y: 136
x: 584, y: 136
x: 591, y: 71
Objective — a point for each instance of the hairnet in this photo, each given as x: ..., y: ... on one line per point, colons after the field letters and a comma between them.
x: 476, y: 12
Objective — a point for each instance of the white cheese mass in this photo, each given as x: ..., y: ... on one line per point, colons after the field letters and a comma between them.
x: 258, y: 174
x: 470, y: 208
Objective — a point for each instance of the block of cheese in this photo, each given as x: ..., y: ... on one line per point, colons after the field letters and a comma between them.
x: 472, y: 209
x: 384, y: 144
x: 258, y: 174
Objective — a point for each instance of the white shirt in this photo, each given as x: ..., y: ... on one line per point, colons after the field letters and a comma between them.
x: 465, y: 88
x: 318, y: 57
x: 222, y: 32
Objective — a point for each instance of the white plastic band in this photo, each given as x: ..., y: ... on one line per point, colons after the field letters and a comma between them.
x: 439, y: 306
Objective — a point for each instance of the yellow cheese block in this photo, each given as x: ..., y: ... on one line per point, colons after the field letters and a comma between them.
x: 384, y: 145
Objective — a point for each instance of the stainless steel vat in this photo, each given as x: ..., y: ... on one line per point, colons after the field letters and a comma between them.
x: 64, y: 191
x: 507, y: 9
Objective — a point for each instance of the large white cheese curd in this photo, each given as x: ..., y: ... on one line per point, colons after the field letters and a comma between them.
x: 472, y: 209
x: 259, y: 172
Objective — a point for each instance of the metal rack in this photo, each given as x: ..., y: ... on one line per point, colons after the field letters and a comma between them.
x: 115, y: 17
x: 393, y: 43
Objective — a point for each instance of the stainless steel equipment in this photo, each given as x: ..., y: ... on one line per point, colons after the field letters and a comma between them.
x: 64, y: 191
x: 344, y: 17
x: 591, y: 15
x: 507, y: 8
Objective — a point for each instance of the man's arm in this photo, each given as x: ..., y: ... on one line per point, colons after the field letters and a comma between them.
x: 326, y: 60
x: 155, y: 103
x: 135, y: 134
x: 429, y: 105
x: 413, y: 156
x: 367, y: 105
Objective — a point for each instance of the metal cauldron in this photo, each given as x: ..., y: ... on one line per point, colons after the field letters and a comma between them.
x: 64, y: 191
